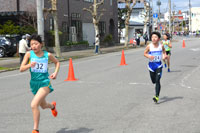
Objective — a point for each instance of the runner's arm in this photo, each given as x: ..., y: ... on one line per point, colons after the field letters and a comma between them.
x: 57, y: 66
x: 146, y: 53
x: 25, y: 65
x: 170, y: 44
x: 164, y: 52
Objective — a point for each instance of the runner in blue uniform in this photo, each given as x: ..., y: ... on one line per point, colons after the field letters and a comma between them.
x: 36, y: 61
x: 154, y: 52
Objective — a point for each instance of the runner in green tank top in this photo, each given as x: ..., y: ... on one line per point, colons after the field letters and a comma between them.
x: 167, y: 45
x: 37, y: 62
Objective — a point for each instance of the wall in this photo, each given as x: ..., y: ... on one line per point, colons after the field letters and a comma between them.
x: 195, y: 18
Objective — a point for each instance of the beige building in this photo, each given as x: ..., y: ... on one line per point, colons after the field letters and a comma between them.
x: 195, y: 19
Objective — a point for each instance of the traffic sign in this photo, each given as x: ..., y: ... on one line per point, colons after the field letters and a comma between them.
x: 155, y: 15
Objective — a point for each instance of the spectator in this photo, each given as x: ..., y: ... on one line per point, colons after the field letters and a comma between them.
x: 145, y: 37
x: 138, y: 38
x: 23, y: 47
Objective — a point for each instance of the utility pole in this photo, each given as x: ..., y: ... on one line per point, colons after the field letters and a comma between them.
x: 169, y: 1
x: 18, y: 7
x: 190, y: 21
x: 173, y: 18
x: 40, y: 18
x: 152, y: 15
x: 158, y: 4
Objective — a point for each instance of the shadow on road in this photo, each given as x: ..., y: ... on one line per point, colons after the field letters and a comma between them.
x: 167, y: 99
x: 80, y: 130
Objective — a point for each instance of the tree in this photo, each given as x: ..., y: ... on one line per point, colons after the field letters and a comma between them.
x: 9, y: 28
x: 95, y: 17
x: 146, y: 15
x: 53, y: 11
x: 121, y: 20
x: 29, y: 19
x: 129, y: 6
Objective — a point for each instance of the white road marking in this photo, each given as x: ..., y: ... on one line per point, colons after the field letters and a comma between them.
x: 139, y: 84
x: 195, y: 49
x: 185, y: 79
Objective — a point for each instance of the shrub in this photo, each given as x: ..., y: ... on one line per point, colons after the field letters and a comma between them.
x: 108, y: 38
x: 69, y: 43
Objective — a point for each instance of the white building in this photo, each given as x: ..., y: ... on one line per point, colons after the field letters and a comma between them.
x: 136, y: 21
x: 195, y: 19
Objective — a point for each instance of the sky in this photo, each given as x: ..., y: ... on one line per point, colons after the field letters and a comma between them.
x: 178, y: 5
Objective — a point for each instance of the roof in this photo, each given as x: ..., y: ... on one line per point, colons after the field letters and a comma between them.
x: 137, y: 6
x: 12, y: 13
x: 134, y: 23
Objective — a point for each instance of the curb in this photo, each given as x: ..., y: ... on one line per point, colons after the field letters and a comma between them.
x: 90, y: 54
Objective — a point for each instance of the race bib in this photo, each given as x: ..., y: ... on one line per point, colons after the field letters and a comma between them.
x: 41, y: 65
x: 166, y: 46
x: 157, y: 56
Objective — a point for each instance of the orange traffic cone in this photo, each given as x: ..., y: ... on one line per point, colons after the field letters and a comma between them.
x: 123, y: 62
x: 71, y: 76
x: 131, y: 41
x: 183, y: 46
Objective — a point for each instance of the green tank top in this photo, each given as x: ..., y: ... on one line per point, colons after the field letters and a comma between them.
x: 40, y: 71
x: 166, y: 45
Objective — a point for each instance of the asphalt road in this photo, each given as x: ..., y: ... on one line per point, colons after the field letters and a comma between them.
x: 109, y: 98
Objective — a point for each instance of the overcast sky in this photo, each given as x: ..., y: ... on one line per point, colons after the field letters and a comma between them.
x: 178, y: 4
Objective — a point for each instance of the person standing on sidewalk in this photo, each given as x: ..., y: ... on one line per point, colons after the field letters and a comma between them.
x: 154, y: 52
x: 23, y: 48
x: 167, y: 45
x: 138, y: 38
x: 40, y: 83
x: 97, y: 42
x: 145, y: 37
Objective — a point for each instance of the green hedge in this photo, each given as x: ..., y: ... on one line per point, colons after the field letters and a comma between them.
x: 11, y: 28
x: 69, y: 43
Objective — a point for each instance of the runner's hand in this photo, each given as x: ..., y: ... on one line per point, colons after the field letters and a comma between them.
x: 151, y: 58
x: 33, y: 64
x: 53, y: 76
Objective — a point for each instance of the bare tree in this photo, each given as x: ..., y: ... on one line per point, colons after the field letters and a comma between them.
x: 30, y: 18
x: 95, y: 17
x: 129, y: 6
x: 146, y: 15
x: 53, y: 11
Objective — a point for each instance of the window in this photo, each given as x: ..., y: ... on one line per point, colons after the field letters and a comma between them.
x: 111, y: 2
x: 64, y: 26
x: 92, y: 1
x: 89, y: 0
x: 78, y: 25
x: 51, y: 24
x: 102, y: 27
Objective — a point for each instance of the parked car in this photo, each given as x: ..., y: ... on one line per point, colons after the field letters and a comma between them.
x: 8, y: 46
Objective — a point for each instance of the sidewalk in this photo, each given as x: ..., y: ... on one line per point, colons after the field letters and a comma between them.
x: 13, y: 63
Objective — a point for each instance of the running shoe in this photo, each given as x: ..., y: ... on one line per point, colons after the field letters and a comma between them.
x: 165, y: 65
x: 168, y: 70
x: 35, y: 131
x: 155, y: 99
x: 54, y: 111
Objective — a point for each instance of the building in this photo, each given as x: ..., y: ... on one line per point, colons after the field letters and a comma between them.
x: 180, y: 21
x: 195, y: 19
x: 14, y: 9
x: 74, y: 23
x: 136, y: 22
